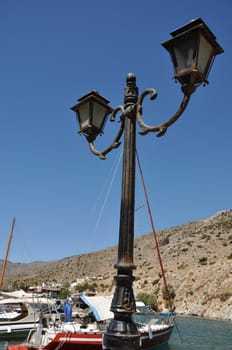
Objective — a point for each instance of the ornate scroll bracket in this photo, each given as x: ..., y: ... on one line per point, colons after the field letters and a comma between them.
x: 135, y: 110
x: 162, y: 128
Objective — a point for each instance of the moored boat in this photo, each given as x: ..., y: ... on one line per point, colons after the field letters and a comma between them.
x: 79, y: 335
x: 18, y: 316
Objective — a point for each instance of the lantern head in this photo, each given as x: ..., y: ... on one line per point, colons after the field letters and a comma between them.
x: 192, y: 49
x: 91, y: 112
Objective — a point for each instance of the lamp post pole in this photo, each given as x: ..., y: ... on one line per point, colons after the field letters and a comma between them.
x: 192, y: 49
x: 122, y: 332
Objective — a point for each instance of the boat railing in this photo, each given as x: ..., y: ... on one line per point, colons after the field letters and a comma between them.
x: 35, y: 336
x: 154, y: 318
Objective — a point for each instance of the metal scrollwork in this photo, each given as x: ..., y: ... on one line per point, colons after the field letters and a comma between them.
x: 133, y: 109
x: 162, y: 128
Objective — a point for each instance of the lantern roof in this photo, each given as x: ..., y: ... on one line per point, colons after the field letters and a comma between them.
x: 199, y: 24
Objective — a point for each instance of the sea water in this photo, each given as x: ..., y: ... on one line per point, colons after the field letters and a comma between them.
x: 201, y: 334
x: 190, y: 333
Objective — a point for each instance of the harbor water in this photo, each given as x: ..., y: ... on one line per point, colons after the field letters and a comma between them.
x: 201, y: 334
x: 190, y: 333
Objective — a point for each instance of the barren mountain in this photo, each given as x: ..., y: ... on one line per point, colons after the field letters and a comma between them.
x: 197, y: 259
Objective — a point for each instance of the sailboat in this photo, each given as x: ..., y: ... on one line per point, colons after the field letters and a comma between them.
x: 86, y: 333
x: 19, y: 311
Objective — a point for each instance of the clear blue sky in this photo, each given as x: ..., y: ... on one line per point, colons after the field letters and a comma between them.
x: 64, y: 199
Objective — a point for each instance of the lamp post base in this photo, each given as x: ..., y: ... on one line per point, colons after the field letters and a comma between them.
x: 122, y: 332
x: 114, y: 339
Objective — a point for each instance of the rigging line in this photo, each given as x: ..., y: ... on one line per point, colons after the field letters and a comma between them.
x: 104, y: 187
x: 108, y: 191
x: 154, y: 231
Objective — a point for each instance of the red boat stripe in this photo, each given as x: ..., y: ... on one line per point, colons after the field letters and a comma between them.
x: 81, y: 340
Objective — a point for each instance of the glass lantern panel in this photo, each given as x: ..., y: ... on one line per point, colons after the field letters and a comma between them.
x: 84, y: 116
x: 184, y: 53
x: 99, y: 113
x: 205, y: 52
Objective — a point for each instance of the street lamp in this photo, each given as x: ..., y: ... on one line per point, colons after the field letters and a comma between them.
x: 192, y: 49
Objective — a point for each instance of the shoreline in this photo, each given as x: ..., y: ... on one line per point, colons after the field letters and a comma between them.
x: 203, y: 317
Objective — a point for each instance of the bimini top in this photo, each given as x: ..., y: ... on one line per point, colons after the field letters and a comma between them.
x: 100, y: 306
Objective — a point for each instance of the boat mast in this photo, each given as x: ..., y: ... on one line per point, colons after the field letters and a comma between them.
x: 7, y: 252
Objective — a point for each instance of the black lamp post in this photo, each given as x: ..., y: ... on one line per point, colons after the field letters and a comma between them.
x: 192, y: 50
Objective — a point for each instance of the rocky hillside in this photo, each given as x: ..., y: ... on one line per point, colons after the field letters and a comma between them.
x: 197, y: 259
